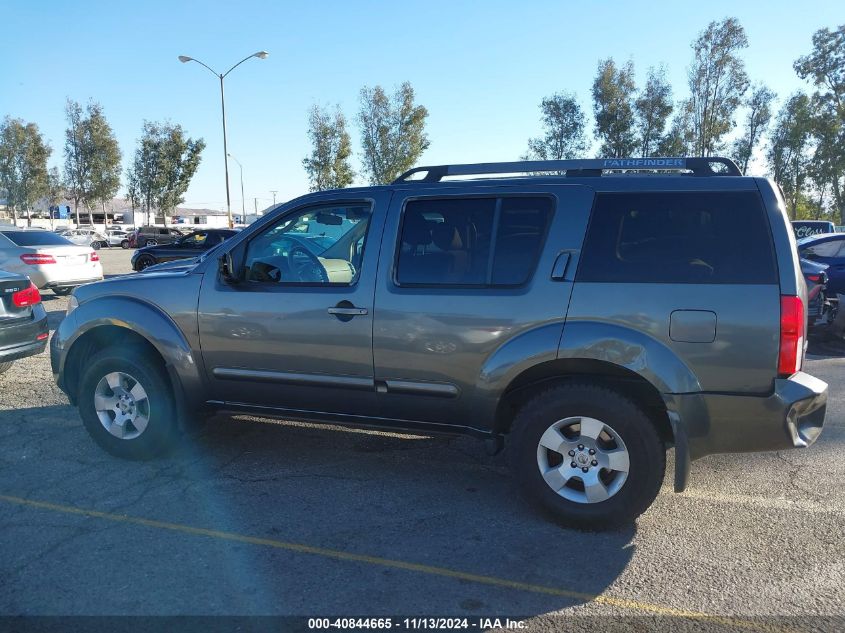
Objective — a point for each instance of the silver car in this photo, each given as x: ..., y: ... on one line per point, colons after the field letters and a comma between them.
x: 117, y: 237
x: 86, y: 237
x: 49, y: 260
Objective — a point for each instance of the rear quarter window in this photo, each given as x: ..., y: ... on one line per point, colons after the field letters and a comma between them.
x: 689, y: 237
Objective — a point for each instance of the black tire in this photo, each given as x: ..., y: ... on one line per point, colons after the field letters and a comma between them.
x: 162, y: 431
x: 95, y: 246
x: 4, y: 367
x: 150, y: 243
x: 62, y: 292
x: 124, y: 244
x: 144, y: 261
x: 647, y: 454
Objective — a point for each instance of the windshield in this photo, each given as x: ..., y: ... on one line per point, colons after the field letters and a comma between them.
x: 36, y: 238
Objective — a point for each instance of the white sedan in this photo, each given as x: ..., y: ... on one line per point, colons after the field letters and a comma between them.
x: 49, y: 260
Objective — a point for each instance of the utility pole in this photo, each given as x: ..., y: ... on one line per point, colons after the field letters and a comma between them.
x: 274, y: 197
x: 256, y: 206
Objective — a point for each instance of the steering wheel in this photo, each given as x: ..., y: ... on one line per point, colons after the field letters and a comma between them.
x: 305, y: 265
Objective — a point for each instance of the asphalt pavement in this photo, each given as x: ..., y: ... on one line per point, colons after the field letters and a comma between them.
x: 254, y: 517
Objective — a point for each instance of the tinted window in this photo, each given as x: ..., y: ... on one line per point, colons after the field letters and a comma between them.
x: 36, y: 238
x: 720, y: 238
x: 471, y: 241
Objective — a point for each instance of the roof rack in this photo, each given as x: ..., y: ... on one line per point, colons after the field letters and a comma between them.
x: 576, y: 168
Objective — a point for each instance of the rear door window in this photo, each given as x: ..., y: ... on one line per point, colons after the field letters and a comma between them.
x: 700, y: 237
x: 472, y: 242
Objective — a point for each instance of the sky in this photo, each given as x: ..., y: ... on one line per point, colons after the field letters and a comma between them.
x: 480, y: 68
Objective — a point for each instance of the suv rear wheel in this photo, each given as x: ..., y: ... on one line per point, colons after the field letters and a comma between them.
x: 588, y: 455
x: 126, y: 404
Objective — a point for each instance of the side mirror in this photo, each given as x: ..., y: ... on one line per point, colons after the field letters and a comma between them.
x: 227, y: 268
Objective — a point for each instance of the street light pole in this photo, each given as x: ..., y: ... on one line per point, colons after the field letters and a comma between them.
x: 243, y: 203
x: 274, y: 197
x: 221, y: 76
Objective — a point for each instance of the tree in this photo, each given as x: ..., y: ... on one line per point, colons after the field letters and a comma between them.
x: 55, y: 191
x: 103, y: 157
x: 92, y: 157
x: 392, y: 132
x: 788, y: 153
x: 23, y: 165
x: 825, y: 67
x: 680, y: 139
x: 717, y: 83
x: 328, y: 164
x: 756, y: 121
x: 77, y: 174
x: 652, y: 109
x: 164, y: 164
x: 613, y: 106
x: 563, y: 130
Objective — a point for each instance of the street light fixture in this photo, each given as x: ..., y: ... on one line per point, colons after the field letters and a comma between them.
x: 221, y: 76
x: 243, y: 203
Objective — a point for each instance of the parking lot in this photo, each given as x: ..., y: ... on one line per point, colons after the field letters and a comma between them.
x: 265, y: 518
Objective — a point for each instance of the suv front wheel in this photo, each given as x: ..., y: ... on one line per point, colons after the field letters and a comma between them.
x: 127, y: 405
x: 588, y: 455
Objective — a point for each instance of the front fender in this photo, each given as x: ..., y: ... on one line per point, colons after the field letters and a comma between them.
x: 630, y: 349
x: 142, y: 318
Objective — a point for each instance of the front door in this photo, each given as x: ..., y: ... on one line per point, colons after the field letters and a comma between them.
x: 296, y: 333
x: 469, y: 275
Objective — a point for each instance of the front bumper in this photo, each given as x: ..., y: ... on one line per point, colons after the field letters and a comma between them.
x: 27, y: 338
x: 707, y: 423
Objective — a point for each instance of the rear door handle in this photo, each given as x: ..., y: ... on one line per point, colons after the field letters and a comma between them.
x: 348, y: 311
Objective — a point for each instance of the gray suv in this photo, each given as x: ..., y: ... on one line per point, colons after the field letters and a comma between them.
x: 586, y: 317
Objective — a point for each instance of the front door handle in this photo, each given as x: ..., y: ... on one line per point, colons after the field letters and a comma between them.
x: 348, y: 311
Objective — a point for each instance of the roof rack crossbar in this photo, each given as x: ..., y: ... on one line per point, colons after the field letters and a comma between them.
x: 585, y: 167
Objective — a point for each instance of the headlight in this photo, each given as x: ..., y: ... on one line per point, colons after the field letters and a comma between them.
x: 72, y: 304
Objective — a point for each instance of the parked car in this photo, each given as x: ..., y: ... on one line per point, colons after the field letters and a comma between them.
x: 23, y: 320
x: 821, y: 308
x: 86, y: 237
x: 828, y: 249
x: 48, y: 259
x: 152, y: 235
x: 189, y: 246
x: 571, y: 319
x: 806, y: 228
x: 117, y: 237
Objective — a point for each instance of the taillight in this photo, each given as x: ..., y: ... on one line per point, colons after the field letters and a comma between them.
x: 26, y: 297
x: 35, y: 259
x: 816, y: 279
x: 791, y: 335
x: 93, y: 257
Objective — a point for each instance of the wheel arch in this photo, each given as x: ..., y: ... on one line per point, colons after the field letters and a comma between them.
x: 616, y: 377
x: 130, y: 321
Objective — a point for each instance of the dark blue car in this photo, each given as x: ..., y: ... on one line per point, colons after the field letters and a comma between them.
x: 828, y: 248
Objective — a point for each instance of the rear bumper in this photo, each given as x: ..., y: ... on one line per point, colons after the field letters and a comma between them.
x: 70, y: 283
x: 705, y: 423
x: 21, y: 340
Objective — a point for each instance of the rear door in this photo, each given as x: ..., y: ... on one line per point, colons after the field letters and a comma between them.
x: 460, y: 276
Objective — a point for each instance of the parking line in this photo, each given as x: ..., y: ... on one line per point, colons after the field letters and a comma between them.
x: 431, y: 570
